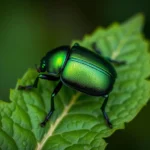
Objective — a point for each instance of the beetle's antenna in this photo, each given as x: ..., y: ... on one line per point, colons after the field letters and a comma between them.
x: 37, y: 68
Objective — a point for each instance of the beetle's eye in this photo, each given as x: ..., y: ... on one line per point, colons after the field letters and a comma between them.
x: 43, y: 66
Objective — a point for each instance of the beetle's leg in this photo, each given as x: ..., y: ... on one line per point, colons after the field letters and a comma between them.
x: 41, y: 76
x: 56, y: 90
x: 103, y: 111
x: 96, y: 49
x: 116, y: 62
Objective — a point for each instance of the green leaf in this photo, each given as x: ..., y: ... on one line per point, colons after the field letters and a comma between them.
x: 77, y: 122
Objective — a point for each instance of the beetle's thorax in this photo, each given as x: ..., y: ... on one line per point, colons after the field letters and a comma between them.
x: 56, y: 59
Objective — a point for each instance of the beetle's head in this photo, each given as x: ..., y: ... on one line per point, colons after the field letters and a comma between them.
x: 42, y: 67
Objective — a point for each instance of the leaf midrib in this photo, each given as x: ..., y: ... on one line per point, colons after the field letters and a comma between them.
x: 59, y: 119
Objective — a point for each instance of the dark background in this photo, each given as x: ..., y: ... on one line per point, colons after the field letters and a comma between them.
x: 28, y: 29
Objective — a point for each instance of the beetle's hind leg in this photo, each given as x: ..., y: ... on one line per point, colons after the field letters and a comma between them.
x: 56, y: 90
x: 96, y: 49
x: 103, y: 111
x: 116, y: 62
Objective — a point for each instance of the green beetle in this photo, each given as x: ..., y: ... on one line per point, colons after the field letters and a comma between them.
x: 80, y: 69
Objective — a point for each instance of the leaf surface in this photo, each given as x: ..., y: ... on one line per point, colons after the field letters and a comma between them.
x: 77, y: 122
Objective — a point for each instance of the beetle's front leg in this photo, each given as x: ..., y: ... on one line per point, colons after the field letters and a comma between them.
x: 52, y: 108
x: 104, y: 113
x: 41, y: 76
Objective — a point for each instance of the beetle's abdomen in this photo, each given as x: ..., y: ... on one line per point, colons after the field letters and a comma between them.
x: 83, y: 75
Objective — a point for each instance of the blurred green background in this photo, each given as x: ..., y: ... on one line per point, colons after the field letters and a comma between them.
x: 28, y: 29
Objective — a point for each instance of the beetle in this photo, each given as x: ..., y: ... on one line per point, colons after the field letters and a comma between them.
x: 79, y: 68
